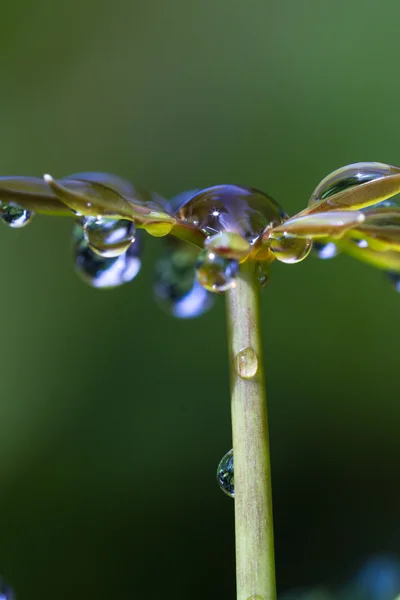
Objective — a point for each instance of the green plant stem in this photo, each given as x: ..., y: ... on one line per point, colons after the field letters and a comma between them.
x: 255, y: 563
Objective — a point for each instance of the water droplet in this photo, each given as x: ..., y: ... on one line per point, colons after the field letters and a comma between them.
x: 225, y: 476
x: 262, y: 272
x: 102, y: 272
x: 232, y: 208
x: 246, y: 363
x: 15, y: 216
x: 109, y: 237
x: 290, y: 249
x: 6, y: 593
x: 394, y: 279
x: 230, y: 245
x: 325, y: 250
x: 350, y: 176
x: 214, y: 272
x: 176, y: 288
x: 178, y: 201
x: 159, y: 229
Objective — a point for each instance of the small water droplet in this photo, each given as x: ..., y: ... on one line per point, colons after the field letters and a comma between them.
x: 6, y: 593
x: 229, y: 245
x: 109, y: 237
x: 325, y: 250
x: 350, y: 176
x: 214, y: 272
x: 290, y: 249
x: 15, y: 216
x: 102, y: 272
x: 158, y: 229
x: 176, y: 288
x: 232, y: 208
x: 262, y: 272
x: 394, y: 279
x: 246, y: 363
x: 225, y: 474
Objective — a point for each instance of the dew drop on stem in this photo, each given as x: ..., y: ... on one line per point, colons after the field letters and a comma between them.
x: 225, y: 476
x: 214, y: 272
x: 246, y: 363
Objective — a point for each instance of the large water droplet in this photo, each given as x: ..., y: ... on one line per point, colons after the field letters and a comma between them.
x: 176, y: 288
x: 290, y: 249
x: 101, y: 272
x: 214, y: 272
x: 246, y: 363
x: 109, y: 237
x: 6, y: 593
x: 349, y: 176
x: 394, y: 279
x: 325, y: 250
x: 232, y: 208
x: 225, y: 476
x: 15, y: 216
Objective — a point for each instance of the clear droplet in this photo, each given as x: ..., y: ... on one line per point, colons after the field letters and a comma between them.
x: 225, y: 476
x: 325, y: 250
x: 176, y: 288
x: 6, y: 593
x: 178, y: 201
x: 350, y: 176
x: 394, y: 279
x: 159, y: 229
x: 102, y: 272
x: 232, y: 208
x: 246, y: 363
x: 214, y: 272
x: 15, y: 216
x: 262, y: 272
x: 109, y: 237
x: 290, y: 249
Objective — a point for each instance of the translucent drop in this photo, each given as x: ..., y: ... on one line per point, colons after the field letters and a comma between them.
x: 109, y: 237
x: 325, y: 250
x: 214, y: 272
x: 158, y: 229
x: 175, y: 286
x: 262, y: 272
x: 15, y: 216
x: 103, y: 272
x: 350, y: 176
x: 394, y: 279
x: 232, y: 208
x: 246, y: 363
x: 225, y: 474
x: 6, y: 592
x: 290, y: 249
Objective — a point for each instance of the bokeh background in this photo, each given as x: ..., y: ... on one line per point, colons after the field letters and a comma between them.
x: 113, y: 416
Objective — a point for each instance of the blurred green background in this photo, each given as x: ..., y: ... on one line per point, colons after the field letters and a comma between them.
x: 113, y: 416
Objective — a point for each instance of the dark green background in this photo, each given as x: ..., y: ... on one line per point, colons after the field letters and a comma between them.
x: 114, y: 416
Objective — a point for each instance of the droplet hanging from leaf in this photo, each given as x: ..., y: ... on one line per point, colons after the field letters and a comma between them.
x: 214, y: 272
x: 15, y: 216
x: 175, y: 285
x: 109, y: 237
x: 102, y: 272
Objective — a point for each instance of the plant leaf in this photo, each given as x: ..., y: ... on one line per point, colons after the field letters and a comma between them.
x: 319, y: 225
